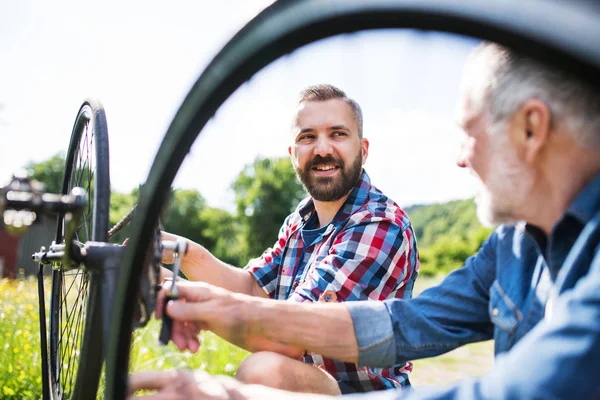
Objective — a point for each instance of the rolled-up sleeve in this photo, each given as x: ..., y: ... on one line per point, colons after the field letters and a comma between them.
x: 374, y: 332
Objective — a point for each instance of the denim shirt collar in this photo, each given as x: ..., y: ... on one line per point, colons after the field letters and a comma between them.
x: 355, y: 201
x: 587, y: 202
x: 565, y: 232
x: 583, y: 208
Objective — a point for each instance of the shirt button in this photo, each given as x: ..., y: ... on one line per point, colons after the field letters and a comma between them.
x: 328, y: 296
x: 495, y: 312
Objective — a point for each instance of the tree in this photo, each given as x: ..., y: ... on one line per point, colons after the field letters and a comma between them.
x: 50, y: 172
x: 266, y: 192
x: 223, y: 236
x: 446, y: 234
x: 183, y: 214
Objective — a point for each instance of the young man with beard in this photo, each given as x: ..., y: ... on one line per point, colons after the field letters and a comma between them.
x: 533, y: 140
x: 346, y: 242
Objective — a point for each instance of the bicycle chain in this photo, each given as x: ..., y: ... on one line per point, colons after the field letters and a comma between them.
x: 122, y: 222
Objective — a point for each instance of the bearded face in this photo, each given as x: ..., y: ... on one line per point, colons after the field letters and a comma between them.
x: 334, y: 187
x: 327, y: 152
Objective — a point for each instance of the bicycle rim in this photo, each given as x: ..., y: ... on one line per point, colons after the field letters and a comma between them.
x: 75, y: 303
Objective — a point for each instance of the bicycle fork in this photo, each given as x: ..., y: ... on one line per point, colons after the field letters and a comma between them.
x: 43, y: 338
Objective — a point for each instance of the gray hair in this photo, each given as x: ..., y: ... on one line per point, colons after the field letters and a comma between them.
x: 324, y: 92
x: 515, y: 78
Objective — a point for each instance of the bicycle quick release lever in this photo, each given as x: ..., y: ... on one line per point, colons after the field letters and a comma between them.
x: 179, y: 249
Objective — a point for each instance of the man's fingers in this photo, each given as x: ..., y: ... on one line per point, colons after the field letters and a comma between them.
x: 150, y: 380
x: 192, y: 291
x: 186, y: 311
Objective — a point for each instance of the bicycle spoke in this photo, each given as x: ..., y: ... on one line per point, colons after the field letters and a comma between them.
x: 73, y: 345
x: 75, y: 291
x: 75, y: 316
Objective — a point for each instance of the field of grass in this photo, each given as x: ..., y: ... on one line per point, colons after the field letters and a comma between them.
x: 20, y: 366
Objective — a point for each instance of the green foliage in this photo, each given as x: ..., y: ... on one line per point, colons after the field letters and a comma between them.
x: 183, y: 214
x: 20, y: 370
x: 50, y: 172
x: 266, y: 192
x: 223, y: 236
x: 215, y: 355
x: 446, y: 234
x: 455, y: 218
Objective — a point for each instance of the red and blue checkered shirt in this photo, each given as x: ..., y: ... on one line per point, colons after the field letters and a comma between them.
x: 368, y: 252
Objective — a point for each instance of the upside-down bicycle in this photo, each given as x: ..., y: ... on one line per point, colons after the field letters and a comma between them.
x: 115, y: 286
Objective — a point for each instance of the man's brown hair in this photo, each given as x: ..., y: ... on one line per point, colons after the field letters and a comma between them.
x: 324, y: 92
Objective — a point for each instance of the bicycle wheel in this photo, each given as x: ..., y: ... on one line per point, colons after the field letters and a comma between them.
x: 280, y: 29
x: 75, y: 304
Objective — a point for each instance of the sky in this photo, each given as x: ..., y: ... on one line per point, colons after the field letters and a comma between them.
x: 140, y: 59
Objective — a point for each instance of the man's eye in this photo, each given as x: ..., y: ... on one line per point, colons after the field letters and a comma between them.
x: 305, y: 137
x: 339, y: 133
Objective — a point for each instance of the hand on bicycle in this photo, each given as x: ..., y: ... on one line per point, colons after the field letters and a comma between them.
x: 232, y: 316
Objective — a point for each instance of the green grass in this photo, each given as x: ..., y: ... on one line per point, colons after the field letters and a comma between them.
x: 20, y: 368
x: 215, y: 355
x: 467, y: 361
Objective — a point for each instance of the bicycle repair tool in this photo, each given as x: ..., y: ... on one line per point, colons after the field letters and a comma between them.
x: 179, y: 248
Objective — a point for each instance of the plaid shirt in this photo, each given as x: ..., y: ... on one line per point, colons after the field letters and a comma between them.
x: 368, y: 252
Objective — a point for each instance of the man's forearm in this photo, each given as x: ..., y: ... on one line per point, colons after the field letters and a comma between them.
x: 203, y: 266
x: 325, y: 329
x: 200, y: 265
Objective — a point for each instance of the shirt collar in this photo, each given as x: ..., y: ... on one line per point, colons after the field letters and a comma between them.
x: 582, y: 210
x: 587, y: 202
x: 355, y: 200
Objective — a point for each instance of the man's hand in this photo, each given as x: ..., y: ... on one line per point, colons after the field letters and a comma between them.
x: 235, y: 317
x: 185, y: 385
x: 199, y: 385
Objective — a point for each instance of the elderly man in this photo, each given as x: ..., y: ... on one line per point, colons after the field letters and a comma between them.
x: 533, y: 140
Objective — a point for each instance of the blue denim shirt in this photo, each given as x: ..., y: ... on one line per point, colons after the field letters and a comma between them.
x: 502, y: 292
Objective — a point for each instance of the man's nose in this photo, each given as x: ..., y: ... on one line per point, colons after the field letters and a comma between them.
x: 461, y: 159
x: 323, y: 146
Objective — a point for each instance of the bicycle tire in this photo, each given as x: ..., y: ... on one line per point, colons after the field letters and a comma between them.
x: 284, y: 27
x: 75, y: 302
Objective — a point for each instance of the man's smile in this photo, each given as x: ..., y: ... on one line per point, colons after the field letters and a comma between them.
x: 325, y: 169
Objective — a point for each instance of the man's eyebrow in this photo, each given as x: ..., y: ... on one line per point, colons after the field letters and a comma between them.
x: 305, y: 130
x: 338, y: 127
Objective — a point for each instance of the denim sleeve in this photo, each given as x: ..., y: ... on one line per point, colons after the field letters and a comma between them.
x: 374, y: 332
x: 558, y: 359
x: 439, y: 320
